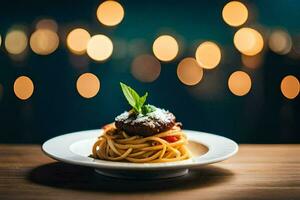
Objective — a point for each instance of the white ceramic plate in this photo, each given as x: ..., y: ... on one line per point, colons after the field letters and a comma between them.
x: 75, y: 148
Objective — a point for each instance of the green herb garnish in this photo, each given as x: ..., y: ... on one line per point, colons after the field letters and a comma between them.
x: 135, y: 100
x: 148, y: 109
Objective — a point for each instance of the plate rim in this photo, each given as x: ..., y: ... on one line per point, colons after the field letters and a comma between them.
x: 186, y: 164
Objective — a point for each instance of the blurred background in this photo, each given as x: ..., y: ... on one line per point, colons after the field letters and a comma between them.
x: 228, y: 68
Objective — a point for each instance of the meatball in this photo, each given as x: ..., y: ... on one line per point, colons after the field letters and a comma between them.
x: 145, y: 125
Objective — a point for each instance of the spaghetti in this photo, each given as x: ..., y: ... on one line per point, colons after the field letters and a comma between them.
x: 116, y: 145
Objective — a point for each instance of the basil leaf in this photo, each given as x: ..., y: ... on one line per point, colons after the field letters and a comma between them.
x: 132, y: 96
x: 135, y: 100
x: 142, y: 100
x: 148, y: 109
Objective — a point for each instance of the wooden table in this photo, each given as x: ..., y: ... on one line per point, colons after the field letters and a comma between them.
x: 256, y: 172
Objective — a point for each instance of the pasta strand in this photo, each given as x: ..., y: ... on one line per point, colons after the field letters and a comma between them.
x: 116, y: 145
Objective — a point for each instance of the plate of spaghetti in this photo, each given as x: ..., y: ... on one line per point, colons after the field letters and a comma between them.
x: 143, y: 139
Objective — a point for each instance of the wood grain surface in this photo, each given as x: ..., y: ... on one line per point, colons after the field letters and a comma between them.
x: 256, y: 172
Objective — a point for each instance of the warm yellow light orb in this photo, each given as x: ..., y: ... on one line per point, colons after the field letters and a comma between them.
x: 99, y: 47
x: 189, y: 72
x: 165, y: 48
x: 15, y: 42
x: 280, y: 42
x: 44, y: 41
x: 290, y: 87
x: 47, y: 24
x: 248, y: 41
x: 23, y: 87
x: 145, y: 68
x: 208, y: 55
x: 77, y: 41
x: 239, y: 83
x: 110, y: 13
x: 235, y: 13
x: 88, y: 85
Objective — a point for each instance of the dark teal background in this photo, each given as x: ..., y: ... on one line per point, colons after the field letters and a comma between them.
x: 262, y: 116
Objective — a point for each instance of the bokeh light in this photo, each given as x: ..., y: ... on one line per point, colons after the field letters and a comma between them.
x: 0, y: 40
x: 208, y: 55
x: 110, y: 13
x: 99, y: 47
x: 49, y: 24
x: 145, y: 68
x: 252, y: 62
x: 239, y: 83
x: 248, y: 41
x: 16, y: 42
x: 88, y: 85
x: 165, y: 48
x: 280, y: 42
x: 235, y: 13
x: 189, y: 72
x: 290, y: 87
x: 44, y: 41
x: 77, y: 41
x: 23, y: 87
